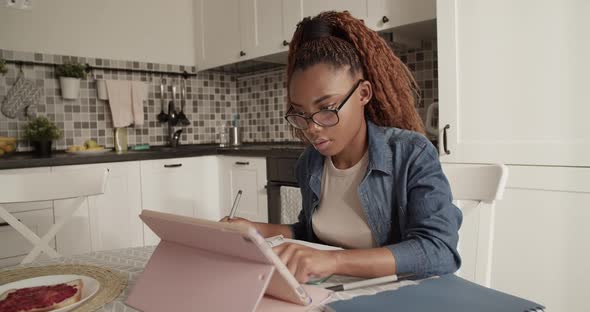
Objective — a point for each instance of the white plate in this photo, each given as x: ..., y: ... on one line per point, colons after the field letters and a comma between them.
x: 90, y: 152
x: 91, y: 286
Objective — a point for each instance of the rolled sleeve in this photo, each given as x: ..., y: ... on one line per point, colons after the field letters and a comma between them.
x: 430, y: 236
x: 299, y: 229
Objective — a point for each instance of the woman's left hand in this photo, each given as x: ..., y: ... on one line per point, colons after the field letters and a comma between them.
x: 306, y: 263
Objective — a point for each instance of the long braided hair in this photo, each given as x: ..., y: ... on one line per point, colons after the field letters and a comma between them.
x: 339, y: 39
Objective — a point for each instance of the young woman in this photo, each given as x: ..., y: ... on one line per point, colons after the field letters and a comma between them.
x: 370, y: 181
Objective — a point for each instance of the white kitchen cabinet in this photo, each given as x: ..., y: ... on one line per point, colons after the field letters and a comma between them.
x: 512, y: 83
x: 525, y: 111
x: 18, y: 207
x: 15, y: 246
x: 217, y: 33
x: 229, y: 31
x: 261, y: 27
x: 183, y: 186
x: 37, y: 216
x: 107, y: 221
x: 358, y: 9
x: 541, y: 249
x: 385, y: 14
x: 292, y: 15
x: 249, y: 175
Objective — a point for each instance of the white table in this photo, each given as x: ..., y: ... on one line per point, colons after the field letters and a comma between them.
x: 133, y: 260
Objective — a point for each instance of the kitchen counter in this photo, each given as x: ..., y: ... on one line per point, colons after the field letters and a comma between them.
x: 60, y: 158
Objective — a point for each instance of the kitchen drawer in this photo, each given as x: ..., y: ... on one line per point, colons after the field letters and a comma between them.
x: 252, y: 163
x: 14, y: 245
x: 188, y: 164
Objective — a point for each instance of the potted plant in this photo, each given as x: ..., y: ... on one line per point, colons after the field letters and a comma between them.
x: 69, y: 79
x: 41, y: 132
x: 3, y: 68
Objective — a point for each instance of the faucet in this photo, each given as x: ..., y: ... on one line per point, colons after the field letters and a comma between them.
x: 173, y: 138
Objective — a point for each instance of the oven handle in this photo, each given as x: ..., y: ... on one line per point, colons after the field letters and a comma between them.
x: 279, y: 184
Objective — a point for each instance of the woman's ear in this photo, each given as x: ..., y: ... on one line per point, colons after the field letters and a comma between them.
x: 365, y: 92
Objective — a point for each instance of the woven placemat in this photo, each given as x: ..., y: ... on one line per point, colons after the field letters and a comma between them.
x: 112, y: 283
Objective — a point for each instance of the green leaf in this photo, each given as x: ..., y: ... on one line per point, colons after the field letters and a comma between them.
x: 41, y: 129
x: 73, y: 70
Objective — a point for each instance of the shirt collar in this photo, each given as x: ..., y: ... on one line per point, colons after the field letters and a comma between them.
x: 380, y: 154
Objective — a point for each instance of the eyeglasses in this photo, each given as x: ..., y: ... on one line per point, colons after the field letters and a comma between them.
x: 324, y: 117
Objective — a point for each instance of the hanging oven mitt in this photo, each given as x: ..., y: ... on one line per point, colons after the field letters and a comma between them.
x: 23, y: 94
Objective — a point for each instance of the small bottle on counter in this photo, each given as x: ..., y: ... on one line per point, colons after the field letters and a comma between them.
x: 223, y: 137
x: 120, y: 140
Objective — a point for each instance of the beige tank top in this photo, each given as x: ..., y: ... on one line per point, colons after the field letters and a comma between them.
x: 339, y: 219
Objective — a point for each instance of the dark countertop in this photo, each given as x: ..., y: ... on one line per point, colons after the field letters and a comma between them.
x: 60, y: 158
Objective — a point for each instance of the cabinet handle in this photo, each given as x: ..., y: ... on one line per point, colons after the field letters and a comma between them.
x: 445, y: 139
x: 173, y: 166
x: 6, y: 223
x: 242, y: 53
x: 385, y: 19
x: 242, y: 163
x: 285, y: 43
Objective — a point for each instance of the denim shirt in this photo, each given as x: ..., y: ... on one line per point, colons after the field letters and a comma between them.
x: 405, y: 196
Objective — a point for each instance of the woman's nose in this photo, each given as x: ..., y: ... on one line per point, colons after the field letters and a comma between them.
x: 313, y: 127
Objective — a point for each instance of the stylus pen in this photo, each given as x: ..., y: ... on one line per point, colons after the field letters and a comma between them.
x: 234, y: 207
x: 364, y: 283
x: 274, y: 240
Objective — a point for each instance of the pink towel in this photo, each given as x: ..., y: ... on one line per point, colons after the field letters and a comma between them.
x: 119, y: 92
x: 139, y: 93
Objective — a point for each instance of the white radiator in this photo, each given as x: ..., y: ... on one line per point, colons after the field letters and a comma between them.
x: 290, y: 204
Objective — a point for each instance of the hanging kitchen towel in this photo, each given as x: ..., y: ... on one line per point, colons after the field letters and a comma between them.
x: 24, y: 93
x: 139, y: 93
x: 120, y: 101
x: 290, y: 204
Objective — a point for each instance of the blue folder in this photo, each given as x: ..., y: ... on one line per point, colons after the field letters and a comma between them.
x: 446, y: 293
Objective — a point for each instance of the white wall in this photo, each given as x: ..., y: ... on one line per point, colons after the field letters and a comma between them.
x: 159, y: 31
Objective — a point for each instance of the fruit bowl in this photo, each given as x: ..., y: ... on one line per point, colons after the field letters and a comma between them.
x: 7, y: 145
x: 89, y: 147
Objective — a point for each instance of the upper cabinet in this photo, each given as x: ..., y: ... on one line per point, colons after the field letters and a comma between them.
x: 229, y: 31
x: 217, y: 30
x: 496, y: 106
x: 358, y: 9
x: 386, y: 14
x: 261, y: 29
x: 292, y: 14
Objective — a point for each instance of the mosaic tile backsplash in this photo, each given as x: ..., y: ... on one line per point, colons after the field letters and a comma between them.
x: 212, y: 100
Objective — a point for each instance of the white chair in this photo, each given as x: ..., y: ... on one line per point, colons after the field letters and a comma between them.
x: 31, y: 187
x: 476, y: 188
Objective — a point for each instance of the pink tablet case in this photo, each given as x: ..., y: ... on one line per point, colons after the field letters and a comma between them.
x: 195, y: 268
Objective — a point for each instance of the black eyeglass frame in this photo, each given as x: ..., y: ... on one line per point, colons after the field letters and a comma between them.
x: 333, y: 110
